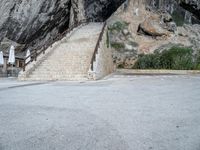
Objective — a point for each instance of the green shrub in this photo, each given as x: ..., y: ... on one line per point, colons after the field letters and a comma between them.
x: 147, y: 61
x: 177, y: 58
x: 120, y: 66
x: 118, y: 26
x: 117, y: 46
x: 178, y: 18
x: 133, y: 44
x: 198, y: 60
x: 197, y: 67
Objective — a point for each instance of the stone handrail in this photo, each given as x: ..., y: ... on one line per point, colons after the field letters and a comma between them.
x: 97, y: 46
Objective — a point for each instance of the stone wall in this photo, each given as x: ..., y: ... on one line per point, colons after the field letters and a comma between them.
x: 103, y: 65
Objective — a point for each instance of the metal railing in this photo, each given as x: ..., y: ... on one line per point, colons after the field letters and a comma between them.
x: 37, y: 52
x: 97, y: 46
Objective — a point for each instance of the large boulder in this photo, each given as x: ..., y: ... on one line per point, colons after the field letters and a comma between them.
x: 152, y: 26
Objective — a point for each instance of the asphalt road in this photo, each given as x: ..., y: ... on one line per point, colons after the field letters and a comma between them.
x: 119, y: 113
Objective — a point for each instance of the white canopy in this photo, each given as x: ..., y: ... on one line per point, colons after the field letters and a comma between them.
x: 28, y: 53
x: 1, y: 58
x: 11, y: 58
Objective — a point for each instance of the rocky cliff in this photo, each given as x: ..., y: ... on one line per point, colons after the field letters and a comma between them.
x: 143, y: 27
x: 191, y: 5
x: 189, y: 9
x: 34, y: 22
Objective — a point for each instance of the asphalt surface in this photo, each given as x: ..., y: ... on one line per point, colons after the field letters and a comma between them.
x: 118, y: 113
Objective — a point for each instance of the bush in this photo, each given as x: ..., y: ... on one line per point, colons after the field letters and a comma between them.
x: 177, y: 58
x: 150, y: 61
x: 117, y: 46
x: 134, y: 44
x: 198, y: 60
x: 118, y: 26
x: 178, y: 18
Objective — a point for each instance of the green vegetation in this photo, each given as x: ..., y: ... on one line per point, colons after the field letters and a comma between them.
x: 198, y: 60
x: 115, y: 30
x: 134, y: 44
x: 120, y: 66
x: 178, y: 18
x: 177, y: 58
x: 118, y: 26
x: 117, y: 46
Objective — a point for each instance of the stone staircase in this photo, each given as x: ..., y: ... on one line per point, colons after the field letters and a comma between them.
x: 70, y: 60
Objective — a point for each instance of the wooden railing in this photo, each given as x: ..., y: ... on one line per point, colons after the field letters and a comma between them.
x: 37, y: 52
x: 97, y: 46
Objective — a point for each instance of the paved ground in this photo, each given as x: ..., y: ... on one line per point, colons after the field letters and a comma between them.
x: 120, y: 113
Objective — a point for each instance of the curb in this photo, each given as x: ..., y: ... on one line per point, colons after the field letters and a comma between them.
x: 157, y: 72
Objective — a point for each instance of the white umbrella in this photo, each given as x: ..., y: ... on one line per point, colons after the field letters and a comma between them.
x: 1, y: 58
x: 11, y: 58
x: 28, y: 53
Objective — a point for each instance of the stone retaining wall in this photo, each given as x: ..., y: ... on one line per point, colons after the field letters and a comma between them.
x: 103, y: 65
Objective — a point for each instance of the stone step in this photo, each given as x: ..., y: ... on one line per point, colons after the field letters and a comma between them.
x: 75, y: 55
x: 67, y: 59
x: 65, y: 67
x: 71, y: 56
x: 66, y: 75
x: 70, y: 59
x: 79, y: 65
x: 58, y: 77
x: 52, y: 79
x: 54, y: 68
x: 71, y: 63
x: 60, y: 72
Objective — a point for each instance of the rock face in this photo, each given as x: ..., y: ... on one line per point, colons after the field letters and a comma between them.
x: 100, y: 10
x: 25, y: 21
x: 34, y: 22
x: 187, y: 10
x: 32, y: 17
x: 124, y: 46
x: 154, y: 25
x: 191, y: 5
